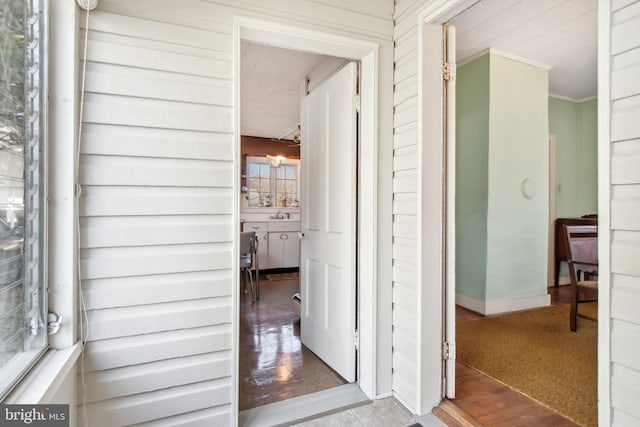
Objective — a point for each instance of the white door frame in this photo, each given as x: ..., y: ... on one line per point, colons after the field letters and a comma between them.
x: 434, y: 197
x: 297, y: 38
x: 439, y: 11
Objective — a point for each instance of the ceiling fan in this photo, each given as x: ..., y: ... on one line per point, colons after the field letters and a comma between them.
x: 296, y: 137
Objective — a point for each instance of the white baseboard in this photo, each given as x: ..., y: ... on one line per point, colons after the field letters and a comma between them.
x: 503, y: 306
x: 470, y: 303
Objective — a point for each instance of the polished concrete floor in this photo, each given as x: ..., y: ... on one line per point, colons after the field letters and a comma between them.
x: 274, y: 364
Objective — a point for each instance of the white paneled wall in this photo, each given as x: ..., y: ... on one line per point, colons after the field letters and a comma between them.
x: 405, y: 203
x: 157, y: 205
x: 625, y: 212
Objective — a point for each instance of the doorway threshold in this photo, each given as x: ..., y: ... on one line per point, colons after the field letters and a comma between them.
x: 303, y: 408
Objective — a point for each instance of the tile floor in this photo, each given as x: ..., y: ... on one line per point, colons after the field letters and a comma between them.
x: 383, y: 413
x: 274, y: 365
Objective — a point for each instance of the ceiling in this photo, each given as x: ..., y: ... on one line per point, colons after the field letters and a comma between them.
x: 561, y: 34
x: 270, y: 88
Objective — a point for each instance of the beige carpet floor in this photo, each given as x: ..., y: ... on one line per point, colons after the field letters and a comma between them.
x: 535, y: 353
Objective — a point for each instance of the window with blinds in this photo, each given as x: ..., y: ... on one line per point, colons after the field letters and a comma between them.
x: 23, y: 309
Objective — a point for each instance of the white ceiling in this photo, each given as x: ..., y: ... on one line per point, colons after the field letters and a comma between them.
x: 270, y: 90
x: 559, y: 33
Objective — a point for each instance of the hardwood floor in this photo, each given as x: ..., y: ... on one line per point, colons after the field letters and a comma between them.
x: 274, y: 364
x: 483, y: 401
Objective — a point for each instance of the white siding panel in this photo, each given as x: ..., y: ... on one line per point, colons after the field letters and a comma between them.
x: 624, y: 30
x: 625, y: 158
x: 621, y: 419
x: 625, y: 344
x: 141, y: 290
x: 128, y: 351
x: 405, y: 182
x: 624, y: 118
x: 205, y: 418
x: 405, y: 91
x: 141, y: 83
x: 624, y: 388
x: 624, y: 75
x: 157, y: 199
x: 625, y: 253
x: 161, y: 32
x: 106, y: 201
x: 625, y: 205
x: 136, y: 261
x: 159, y: 404
x: 406, y: 137
x: 405, y: 158
x: 119, y: 382
x: 624, y: 294
x: 625, y: 213
x: 405, y: 250
x: 103, y: 232
x: 405, y: 297
x: 136, y: 320
x: 118, y: 170
x: 619, y: 4
x: 407, y: 69
x: 112, y: 53
x: 404, y: 273
x: 405, y: 204
x: 405, y: 201
x: 405, y: 226
x: 110, y: 109
x: 157, y: 143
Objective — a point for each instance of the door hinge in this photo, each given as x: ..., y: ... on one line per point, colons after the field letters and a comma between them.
x: 356, y: 103
x: 356, y: 337
x: 445, y: 350
x: 448, y: 71
x: 448, y: 350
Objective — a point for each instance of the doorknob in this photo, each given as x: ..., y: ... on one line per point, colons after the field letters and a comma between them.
x: 300, y: 235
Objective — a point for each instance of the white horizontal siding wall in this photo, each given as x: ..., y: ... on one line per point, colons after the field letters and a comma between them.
x: 405, y: 204
x: 625, y: 213
x: 157, y: 206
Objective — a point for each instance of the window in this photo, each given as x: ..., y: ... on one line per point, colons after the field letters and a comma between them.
x: 23, y: 304
x: 272, y: 182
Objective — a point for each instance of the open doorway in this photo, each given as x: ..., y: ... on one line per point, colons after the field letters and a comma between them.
x: 282, y: 159
x: 503, y: 189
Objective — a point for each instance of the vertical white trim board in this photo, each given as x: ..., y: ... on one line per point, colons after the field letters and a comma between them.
x: 284, y: 36
x: 604, y: 212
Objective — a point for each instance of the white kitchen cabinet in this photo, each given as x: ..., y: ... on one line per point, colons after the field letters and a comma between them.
x: 284, y: 249
x: 278, y: 243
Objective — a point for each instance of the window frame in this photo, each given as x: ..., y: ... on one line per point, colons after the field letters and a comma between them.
x: 35, y: 193
x: 272, y: 179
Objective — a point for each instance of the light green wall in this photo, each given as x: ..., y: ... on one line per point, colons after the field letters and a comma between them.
x: 517, y: 223
x: 576, y: 174
x: 472, y: 153
x: 501, y: 141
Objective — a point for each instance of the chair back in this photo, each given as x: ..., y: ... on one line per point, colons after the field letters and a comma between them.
x: 248, y: 243
x: 582, y: 245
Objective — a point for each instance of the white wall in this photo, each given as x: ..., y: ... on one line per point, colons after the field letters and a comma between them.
x: 624, y: 204
x: 157, y: 208
x: 405, y: 204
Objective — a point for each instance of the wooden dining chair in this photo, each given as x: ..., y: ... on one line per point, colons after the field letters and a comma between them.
x: 582, y: 248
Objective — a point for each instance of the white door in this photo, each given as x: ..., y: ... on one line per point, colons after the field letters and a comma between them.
x: 328, y: 223
x: 438, y: 261
x: 449, y: 131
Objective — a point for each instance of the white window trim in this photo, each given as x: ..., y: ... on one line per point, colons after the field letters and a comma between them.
x: 42, y: 383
